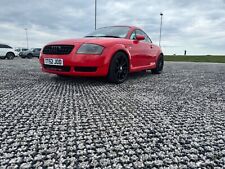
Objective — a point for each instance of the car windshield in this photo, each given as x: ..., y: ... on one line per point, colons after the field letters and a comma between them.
x: 111, y: 32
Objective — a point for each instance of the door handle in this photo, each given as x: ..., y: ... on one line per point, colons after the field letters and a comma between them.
x: 151, y: 46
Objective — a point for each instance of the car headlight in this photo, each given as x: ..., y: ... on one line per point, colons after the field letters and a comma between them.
x: 88, y: 48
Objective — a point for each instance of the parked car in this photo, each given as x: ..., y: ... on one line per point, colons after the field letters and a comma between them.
x: 18, y: 50
x: 112, y: 52
x: 6, y: 51
x: 33, y: 52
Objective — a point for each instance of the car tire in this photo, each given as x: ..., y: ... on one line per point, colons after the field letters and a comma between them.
x: 10, y: 55
x: 119, y: 68
x: 29, y: 56
x: 159, y: 65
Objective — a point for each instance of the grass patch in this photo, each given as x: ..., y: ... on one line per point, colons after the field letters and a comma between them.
x: 197, y: 58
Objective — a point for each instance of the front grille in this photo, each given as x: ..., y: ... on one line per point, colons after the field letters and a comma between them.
x: 85, y: 69
x: 57, y: 68
x: 58, y: 49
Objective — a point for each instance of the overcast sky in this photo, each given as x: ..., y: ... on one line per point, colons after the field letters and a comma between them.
x: 197, y: 26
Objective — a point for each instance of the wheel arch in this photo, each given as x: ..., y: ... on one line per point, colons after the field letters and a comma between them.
x: 9, y: 53
x: 160, y: 54
x: 110, y: 74
x: 123, y: 51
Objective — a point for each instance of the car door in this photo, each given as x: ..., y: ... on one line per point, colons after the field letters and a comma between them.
x: 36, y: 52
x: 1, y: 50
x: 5, y: 49
x: 149, y: 48
x: 139, y: 51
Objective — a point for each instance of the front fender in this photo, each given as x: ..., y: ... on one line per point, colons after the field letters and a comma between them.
x: 111, y: 51
x: 159, y: 54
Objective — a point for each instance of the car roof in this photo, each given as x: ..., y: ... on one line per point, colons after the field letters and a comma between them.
x: 129, y: 26
x: 6, y: 45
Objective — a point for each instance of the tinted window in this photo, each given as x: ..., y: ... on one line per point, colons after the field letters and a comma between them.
x: 140, y: 32
x: 6, y: 46
x: 114, y: 31
x: 133, y: 35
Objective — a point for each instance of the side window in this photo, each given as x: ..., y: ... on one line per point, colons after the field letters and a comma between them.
x: 1, y: 46
x: 148, y: 39
x: 6, y: 46
x: 133, y: 35
x: 140, y: 32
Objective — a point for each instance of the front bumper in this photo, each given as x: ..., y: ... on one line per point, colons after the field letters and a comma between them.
x: 77, y: 65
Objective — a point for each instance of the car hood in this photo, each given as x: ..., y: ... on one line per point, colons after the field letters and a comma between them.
x: 100, y: 41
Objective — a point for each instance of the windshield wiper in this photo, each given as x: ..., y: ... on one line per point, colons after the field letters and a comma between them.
x: 110, y: 36
x: 90, y: 36
x: 105, y: 36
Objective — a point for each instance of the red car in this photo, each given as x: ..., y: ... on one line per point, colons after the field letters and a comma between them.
x: 112, y: 52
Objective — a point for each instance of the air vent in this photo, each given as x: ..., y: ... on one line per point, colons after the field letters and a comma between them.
x: 85, y: 69
x: 58, y: 49
x: 57, y: 68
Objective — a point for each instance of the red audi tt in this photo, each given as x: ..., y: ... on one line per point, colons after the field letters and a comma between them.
x: 112, y: 52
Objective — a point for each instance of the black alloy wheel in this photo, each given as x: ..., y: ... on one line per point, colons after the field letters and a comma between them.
x: 119, y: 68
x: 159, y: 65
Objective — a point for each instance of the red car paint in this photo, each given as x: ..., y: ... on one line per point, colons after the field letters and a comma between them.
x: 142, y: 55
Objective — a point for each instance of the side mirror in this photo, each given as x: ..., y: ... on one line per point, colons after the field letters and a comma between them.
x: 140, y: 37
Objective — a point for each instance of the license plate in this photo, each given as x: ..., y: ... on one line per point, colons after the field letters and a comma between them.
x: 52, y: 61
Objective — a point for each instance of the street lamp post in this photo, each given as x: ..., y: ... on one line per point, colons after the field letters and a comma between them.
x: 160, y: 33
x: 26, y: 30
x: 95, y: 14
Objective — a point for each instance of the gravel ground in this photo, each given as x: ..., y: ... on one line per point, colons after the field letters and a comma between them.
x: 173, y: 120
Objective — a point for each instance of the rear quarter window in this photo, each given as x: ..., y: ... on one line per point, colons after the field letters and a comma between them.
x: 6, y: 46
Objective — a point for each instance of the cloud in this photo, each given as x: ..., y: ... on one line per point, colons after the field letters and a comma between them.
x: 195, y: 26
